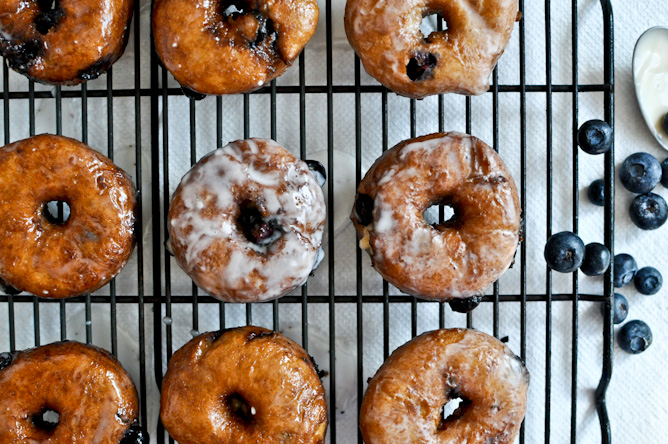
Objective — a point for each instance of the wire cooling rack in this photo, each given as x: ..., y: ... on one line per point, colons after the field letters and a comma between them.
x: 154, y: 303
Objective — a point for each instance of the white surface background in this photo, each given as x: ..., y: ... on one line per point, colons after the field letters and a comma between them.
x: 636, y: 397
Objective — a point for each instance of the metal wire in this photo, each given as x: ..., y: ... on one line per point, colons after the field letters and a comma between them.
x: 161, y: 298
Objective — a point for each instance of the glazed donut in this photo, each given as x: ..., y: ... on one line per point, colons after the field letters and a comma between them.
x: 387, y: 38
x: 51, y: 258
x: 85, y: 389
x: 63, y: 42
x: 231, y: 46
x: 244, y: 385
x: 405, y: 400
x: 247, y: 221
x: 460, y: 258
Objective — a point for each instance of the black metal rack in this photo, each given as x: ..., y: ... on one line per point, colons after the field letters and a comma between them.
x: 157, y: 297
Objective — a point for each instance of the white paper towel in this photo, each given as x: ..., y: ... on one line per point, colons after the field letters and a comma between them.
x: 636, y: 394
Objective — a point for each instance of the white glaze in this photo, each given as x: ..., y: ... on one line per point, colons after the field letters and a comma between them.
x: 650, y: 75
x: 212, y: 250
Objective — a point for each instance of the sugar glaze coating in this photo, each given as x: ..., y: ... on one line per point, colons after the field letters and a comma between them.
x: 94, y: 396
x: 403, y: 403
x: 244, y: 385
x: 63, y: 42
x: 460, y: 258
x: 231, y: 46
x: 92, y: 246
x: 386, y: 36
x: 206, y: 221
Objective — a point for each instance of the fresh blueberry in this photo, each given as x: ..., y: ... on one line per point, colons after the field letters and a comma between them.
x: 625, y: 269
x: 620, y: 308
x: 596, y: 192
x: 635, y: 337
x: 649, y: 211
x: 465, y: 305
x: 564, y: 252
x: 595, y: 137
x: 640, y: 173
x: 664, y: 173
x: 136, y: 435
x: 648, y: 280
x: 596, y: 259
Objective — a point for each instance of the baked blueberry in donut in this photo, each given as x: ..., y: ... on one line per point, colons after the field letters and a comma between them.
x: 459, y: 258
x: 246, y: 222
x: 63, y: 42
x: 231, y: 46
x: 386, y: 35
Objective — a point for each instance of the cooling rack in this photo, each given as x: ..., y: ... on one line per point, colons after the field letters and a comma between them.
x: 143, y: 302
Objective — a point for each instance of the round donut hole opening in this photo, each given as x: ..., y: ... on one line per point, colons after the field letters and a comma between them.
x: 440, y: 212
x: 50, y: 15
x: 432, y: 22
x: 46, y: 420
x: 254, y: 227
x: 233, y: 8
x: 57, y: 212
x: 453, y: 410
x: 240, y: 408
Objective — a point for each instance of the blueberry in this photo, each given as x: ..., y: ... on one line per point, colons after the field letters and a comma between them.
x: 648, y: 280
x: 595, y: 137
x: 620, y: 308
x: 596, y: 259
x: 5, y: 359
x: 136, y: 435
x: 421, y: 66
x: 596, y: 192
x: 649, y: 211
x: 364, y: 209
x: 640, y: 173
x: 664, y: 173
x: 465, y: 305
x: 564, y: 252
x: 318, y: 171
x: 254, y: 227
x: 625, y: 269
x: 635, y: 337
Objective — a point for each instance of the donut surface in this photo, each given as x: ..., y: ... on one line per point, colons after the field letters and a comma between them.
x: 63, y: 42
x: 246, y: 222
x: 405, y: 399
x: 52, y: 259
x: 386, y: 36
x: 244, y: 385
x: 459, y: 258
x: 94, y: 397
x: 231, y: 46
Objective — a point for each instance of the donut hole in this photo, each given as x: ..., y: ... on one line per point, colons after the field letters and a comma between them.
x: 432, y: 22
x: 240, y: 409
x: 454, y: 409
x: 47, y: 420
x: 254, y: 227
x: 233, y: 8
x: 438, y: 212
x: 50, y: 15
x: 57, y: 212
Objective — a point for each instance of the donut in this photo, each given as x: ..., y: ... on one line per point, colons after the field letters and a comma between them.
x: 244, y: 385
x: 63, y: 42
x: 246, y: 222
x: 459, y: 258
x: 405, y: 401
x: 46, y: 256
x: 65, y: 393
x: 387, y: 38
x: 231, y: 46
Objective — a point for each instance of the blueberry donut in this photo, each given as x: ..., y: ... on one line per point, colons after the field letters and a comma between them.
x: 63, y: 42
x: 246, y: 222
x: 65, y: 393
x: 405, y: 400
x: 53, y: 258
x: 244, y: 385
x: 387, y: 37
x: 459, y: 258
x: 231, y: 46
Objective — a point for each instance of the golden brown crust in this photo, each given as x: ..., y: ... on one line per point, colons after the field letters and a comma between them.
x: 212, y: 52
x: 91, y: 247
x: 404, y: 400
x: 244, y: 385
x: 386, y: 36
x: 75, y: 42
x: 95, y: 398
x: 457, y: 259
